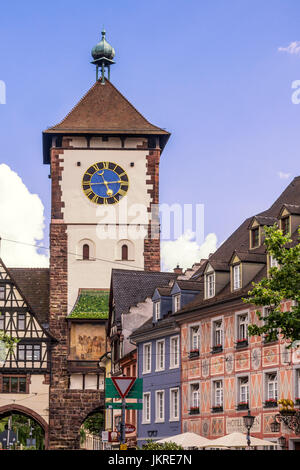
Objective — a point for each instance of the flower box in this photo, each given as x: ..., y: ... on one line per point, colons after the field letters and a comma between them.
x: 286, y: 412
x: 217, y: 348
x: 243, y: 406
x: 297, y: 401
x: 241, y: 343
x: 194, y: 410
x: 217, y: 409
x: 194, y: 353
x: 272, y: 403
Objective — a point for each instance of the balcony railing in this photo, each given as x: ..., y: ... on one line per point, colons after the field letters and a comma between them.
x: 241, y: 343
x: 193, y: 353
x: 217, y: 409
x: 216, y: 349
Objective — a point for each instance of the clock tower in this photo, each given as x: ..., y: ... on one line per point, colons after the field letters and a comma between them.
x: 104, y: 160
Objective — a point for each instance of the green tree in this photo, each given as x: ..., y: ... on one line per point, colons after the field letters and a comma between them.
x: 152, y: 445
x: 94, y: 423
x: 282, y: 283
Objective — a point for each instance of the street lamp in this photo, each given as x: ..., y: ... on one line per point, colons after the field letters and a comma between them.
x: 248, y: 423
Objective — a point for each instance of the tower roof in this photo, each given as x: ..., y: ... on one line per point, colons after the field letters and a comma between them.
x: 103, y: 110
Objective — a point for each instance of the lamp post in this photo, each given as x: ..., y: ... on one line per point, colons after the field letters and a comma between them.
x: 248, y: 422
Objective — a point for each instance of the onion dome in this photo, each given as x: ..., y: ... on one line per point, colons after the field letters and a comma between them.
x: 103, y: 49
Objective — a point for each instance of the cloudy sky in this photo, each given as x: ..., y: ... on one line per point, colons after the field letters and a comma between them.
x: 217, y: 74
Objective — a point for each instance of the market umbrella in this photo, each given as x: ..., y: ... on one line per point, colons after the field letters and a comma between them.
x: 238, y: 439
x: 187, y: 439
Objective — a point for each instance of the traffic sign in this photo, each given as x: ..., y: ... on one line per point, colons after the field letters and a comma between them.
x: 129, y: 428
x: 128, y: 406
x: 110, y: 389
x: 136, y: 390
x: 123, y: 384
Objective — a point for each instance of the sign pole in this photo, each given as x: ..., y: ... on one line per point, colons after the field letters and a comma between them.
x: 123, y: 438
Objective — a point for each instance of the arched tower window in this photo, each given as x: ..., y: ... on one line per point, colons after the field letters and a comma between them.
x: 85, y: 251
x: 124, y: 252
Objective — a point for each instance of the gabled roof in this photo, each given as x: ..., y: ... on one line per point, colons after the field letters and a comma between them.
x: 292, y: 209
x: 103, y: 110
x: 34, y: 284
x: 238, y: 243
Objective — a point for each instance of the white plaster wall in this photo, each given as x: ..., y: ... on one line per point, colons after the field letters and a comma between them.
x: 78, y: 208
x: 37, y: 399
x: 133, y: 320
x: 87, y: 220
x: 95, y: 273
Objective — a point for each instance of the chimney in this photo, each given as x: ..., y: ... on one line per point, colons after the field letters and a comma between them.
x: 177, y: 270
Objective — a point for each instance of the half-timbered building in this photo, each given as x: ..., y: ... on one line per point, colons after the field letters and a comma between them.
x: 25, y: 368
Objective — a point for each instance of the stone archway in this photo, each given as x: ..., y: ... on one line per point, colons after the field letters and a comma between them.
x: 8, y: 409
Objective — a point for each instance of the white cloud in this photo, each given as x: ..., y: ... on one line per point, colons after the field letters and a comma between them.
x: 293, y: 48
x: 283, y: 176
x: 21, y: 219
x: 185, y: 251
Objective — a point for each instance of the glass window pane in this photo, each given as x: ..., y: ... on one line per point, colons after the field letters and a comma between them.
x: 22, y: 385
x: 5, y: 385
x: 14, y: 384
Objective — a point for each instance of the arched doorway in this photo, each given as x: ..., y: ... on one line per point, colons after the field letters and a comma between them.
x: 25, y: 428
x: 91, y: 430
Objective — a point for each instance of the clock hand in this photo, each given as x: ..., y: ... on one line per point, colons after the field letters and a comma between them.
x: 108, y: 182
x: 109, y: 192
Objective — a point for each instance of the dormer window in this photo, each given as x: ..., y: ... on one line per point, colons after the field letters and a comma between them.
x: 210, y: 285
x: 176, y: 302
x: 156, y: 310
x: 255, y: 237
x: 285, y: 225
x: 236, y: 277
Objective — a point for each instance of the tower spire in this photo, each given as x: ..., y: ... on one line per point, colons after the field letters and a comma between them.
x: 103, y: 54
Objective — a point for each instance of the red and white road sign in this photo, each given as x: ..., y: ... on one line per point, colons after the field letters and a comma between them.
x: 129, y: 428
x: 123, y: 384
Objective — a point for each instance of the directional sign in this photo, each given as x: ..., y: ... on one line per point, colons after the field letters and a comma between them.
x: 129, y: 406
x: 123, y: 384
x: 110, y: 389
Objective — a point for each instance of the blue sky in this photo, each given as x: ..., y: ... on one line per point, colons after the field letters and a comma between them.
x: 208, y: 71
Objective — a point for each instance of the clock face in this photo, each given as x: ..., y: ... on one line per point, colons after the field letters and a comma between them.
x: 105, y: 183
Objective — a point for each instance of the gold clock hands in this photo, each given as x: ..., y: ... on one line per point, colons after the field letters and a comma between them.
x: 109, y: 182
x: 109, y: 192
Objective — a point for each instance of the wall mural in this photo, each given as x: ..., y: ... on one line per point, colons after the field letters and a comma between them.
x: 87, y: 342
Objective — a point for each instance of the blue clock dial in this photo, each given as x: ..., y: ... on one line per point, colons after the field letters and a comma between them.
x: 105, y: 183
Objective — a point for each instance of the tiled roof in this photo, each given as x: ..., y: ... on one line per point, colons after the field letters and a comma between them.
x: 129, y: 287
x: 238, y: 243
x: 149, y: 326
x: 34, y: 285
x: 104, y: 109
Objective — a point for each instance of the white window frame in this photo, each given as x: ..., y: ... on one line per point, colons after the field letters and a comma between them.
x: 213, y: 331
x: 160, y: 355
x: 192, y: 394
x: 157, y: 310
x: 146, y: 362
x: 177, y: 302
x: 238, y: 324
x: 210, y: 285
x: 297, y: 383
x: 174, y: 416
x: 241, y: 386
x: 236, y: 278
x: 267, y: 382
x: 146, y: 409
x: 174, y: 352
x: 194, y: 335
x: 158, y: 394
x: 217, y: 398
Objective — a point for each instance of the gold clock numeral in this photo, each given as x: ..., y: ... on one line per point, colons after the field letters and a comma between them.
x: 95, y: 198
x: 96, y: 167
x: 105, y: 165
x: 88, y: 192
